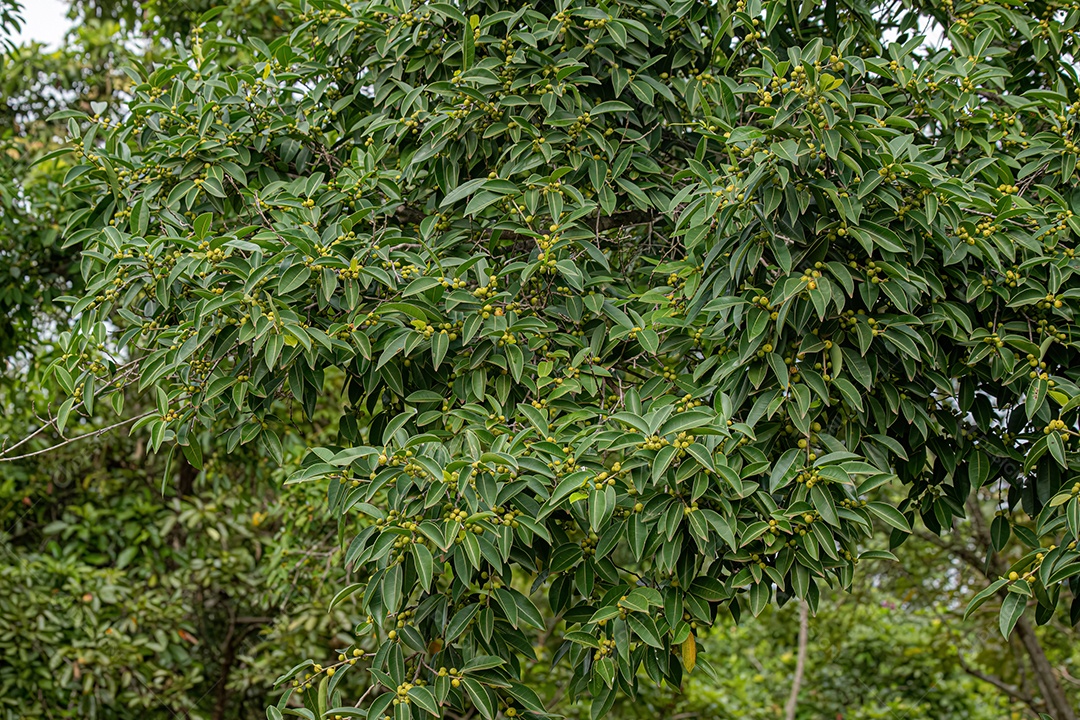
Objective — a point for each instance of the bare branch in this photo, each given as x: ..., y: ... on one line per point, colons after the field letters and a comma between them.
x: 800, y: 662
x: 95, y: 433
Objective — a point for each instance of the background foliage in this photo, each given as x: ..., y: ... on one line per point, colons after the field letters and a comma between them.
x: 607, y: 326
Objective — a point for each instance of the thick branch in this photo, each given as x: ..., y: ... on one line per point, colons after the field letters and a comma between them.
x: 1053, y: 694
x: 961, y: 552
x: 1011, y: 690
x: 1059, y: 704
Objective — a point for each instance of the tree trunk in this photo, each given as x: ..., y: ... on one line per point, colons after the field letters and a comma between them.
x: 1053, y: 695
x: 1056, y: 701
x: 186, y: 485
x: 228, y: 656
x: 800, y: 662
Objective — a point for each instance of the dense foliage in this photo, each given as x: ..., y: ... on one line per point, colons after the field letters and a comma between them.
x: 121, y: 595
x: 633, y: 316
x: 118, y: 603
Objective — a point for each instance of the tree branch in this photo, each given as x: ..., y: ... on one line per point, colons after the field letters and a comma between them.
x: 1011, y: 690
x: 800, y: 662
x: 95, y: 433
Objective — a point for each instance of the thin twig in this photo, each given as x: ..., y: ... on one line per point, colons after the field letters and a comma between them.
x: 95, y: 433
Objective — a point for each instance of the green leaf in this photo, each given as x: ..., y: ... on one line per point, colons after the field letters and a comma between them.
x: 344, y: 593
x: 1012, y: 607
x: 482, y: 662
x: 645, y: 628
x: 999, y: 533
x: 425, y: 565
x: 610, y: 106
x: 662, y: 461
x: 890, y: 515
x: 823, y: 503
x: 525, y: 695
x: 649, y: 340
x: 460, y: 620
x: 1063, y: 573
x: 63, y: 413
x: 425, y: 700
x: 419, y: 285
x: 1036, y: 396
x: 480, y: 697
x: 440, y: 343
x: 779, y: 477
x: 1057, y: 448
x: 468, y: 43
x: 462, y: 191
x: 294, y: 277
x: 684, y: 421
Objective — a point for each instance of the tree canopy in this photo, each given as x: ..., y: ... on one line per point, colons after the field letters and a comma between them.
x: 636, y: 314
